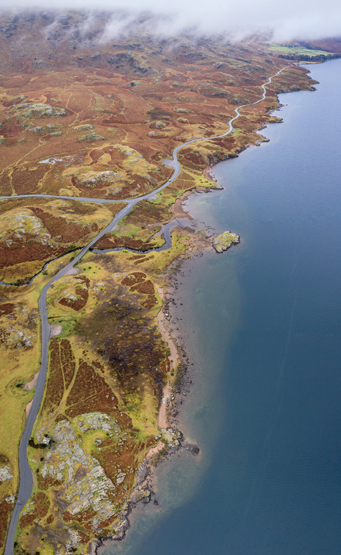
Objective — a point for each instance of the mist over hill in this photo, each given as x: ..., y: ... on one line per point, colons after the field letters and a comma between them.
x: 302, y: 19
x: 127, y: 41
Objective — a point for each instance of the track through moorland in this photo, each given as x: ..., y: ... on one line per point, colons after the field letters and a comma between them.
x: 26, y: 479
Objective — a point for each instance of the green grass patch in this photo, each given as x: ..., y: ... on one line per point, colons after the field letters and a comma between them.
x: 68, y: 325
x: 298, y: 51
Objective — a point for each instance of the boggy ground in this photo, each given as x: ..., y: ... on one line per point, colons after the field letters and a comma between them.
x: 83, y: 117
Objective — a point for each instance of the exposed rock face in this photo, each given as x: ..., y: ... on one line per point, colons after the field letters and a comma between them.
x: 89, y: 487
x: 40, y: 110
x: 85, y: 127
x: 225, y: 241
x: 5, y: 474
x: 158, y: 124
x: 17, y: 338
x: 92, y: 137
x: 139, y: 495
x: 35, y: 129
x: 172, y: 437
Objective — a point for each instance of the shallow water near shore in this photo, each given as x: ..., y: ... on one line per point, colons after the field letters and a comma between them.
x: 262, y: 326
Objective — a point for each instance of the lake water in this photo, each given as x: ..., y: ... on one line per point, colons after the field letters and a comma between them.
x: 262, y: 324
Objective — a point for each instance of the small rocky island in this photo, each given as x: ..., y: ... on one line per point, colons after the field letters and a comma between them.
x: 225, y: 240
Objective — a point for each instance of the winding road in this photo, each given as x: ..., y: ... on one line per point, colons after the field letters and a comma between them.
x: 26, y: 479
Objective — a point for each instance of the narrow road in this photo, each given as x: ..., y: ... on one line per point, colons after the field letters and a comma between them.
x: 26, y: 480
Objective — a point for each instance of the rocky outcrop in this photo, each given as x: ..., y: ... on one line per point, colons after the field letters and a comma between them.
x: 92, y: 137
x: 17, y: 338
x: 40, y: 110
x: 225, y: 240
x: 83, y: 482
x: 85, y: 127
x: 5, y: 474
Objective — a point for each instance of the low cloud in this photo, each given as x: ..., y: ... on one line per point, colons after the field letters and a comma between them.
x: 294, y: 19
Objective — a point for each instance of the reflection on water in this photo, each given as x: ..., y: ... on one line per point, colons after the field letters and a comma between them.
x: 262, y: 326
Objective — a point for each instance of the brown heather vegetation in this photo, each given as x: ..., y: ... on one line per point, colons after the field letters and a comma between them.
x: 5, y: 511
x: 198, y: 87
x: 81, y: 292
x: 133, y: 278
x: 6, y: 308
x: 64, y: 225
x: 89, y: 393
x: 63, y: 365
x: 41, y: 508
x: 121, y: 333
x: 111, y: 241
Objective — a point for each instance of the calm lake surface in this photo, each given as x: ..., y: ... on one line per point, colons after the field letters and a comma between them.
x: 262, y: 323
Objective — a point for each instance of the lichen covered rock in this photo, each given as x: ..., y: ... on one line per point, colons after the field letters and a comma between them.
x: 40, y: 110
x: 225, y: 240
x: 5, y: 474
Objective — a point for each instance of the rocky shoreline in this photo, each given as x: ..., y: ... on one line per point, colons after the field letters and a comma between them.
x: 173, y: 439
x: 145, y: 490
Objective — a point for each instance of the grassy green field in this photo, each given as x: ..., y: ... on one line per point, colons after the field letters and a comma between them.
x: 297, y: 50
